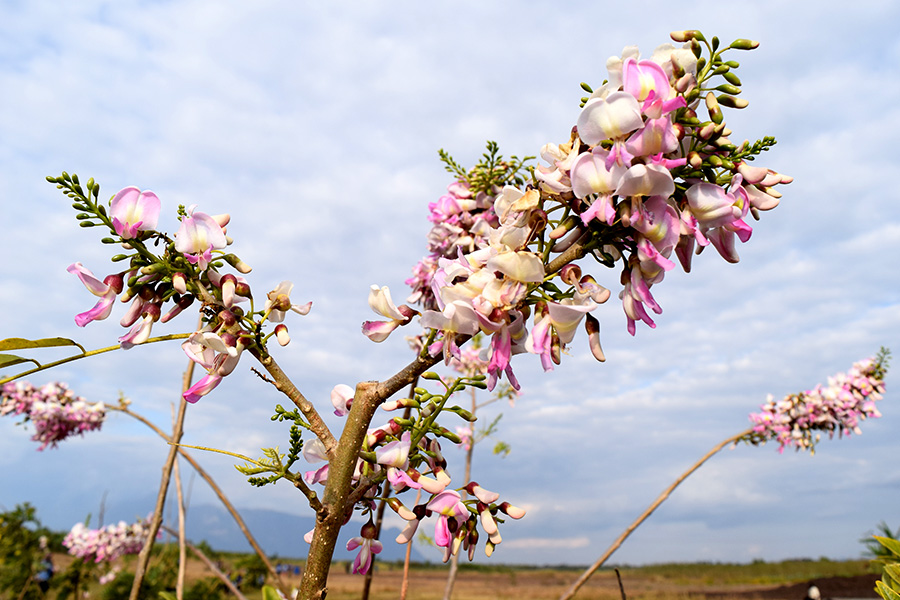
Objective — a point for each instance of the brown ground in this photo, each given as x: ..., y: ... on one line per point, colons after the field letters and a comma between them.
x: 860, y: 586
x: 539, y: 585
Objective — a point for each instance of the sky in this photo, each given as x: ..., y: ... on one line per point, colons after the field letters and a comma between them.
x: 317, y: 126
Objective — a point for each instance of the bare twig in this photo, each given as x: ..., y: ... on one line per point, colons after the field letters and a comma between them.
x: 182, y: 549
x: 621, y: 587
x: 404, y: 586
x: 212, y: 567
x: 379, y: 519
x: 156, y: 520
x: 215, y: 488
x: 662, y: 498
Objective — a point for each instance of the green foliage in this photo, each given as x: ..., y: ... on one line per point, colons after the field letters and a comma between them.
x: 490, y: 172
x: 269, y: 593
x: 874, y: 548
x: 8, y: 360
x: 253, y: 569
x: 20, y: 552
x: 159, y: 579
x: 208, y: 588
x: 889, y: 586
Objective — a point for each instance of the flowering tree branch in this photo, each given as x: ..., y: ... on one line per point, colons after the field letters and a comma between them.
x: 794, y: 421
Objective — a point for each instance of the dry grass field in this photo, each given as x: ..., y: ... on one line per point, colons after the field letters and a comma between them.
x: 786, y: 580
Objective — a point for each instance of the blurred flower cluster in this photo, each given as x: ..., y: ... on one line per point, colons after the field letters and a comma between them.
x: 836, y: 408
x: 54, y: 410
x: 107, y: 543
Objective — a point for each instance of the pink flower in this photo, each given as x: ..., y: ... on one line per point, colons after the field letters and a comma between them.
x: 217, y: 355
x: 615, y: 116
x: 198, y: 236
x: 448, y: 505
x: 132, y: 210
x: 367, y: 545
x: 380, y: 301
x: 279, y: 302
x: 342, y: 399
x: 394, y: 455
x: 106, y: 290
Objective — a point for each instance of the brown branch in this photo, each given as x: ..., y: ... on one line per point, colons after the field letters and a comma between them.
x: 572, y: 253
x: 284, y: 385
x: 662, y: 498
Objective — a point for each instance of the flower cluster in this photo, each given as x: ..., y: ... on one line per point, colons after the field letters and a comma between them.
x: 838, y: 407
x: 642, y: 176
x: 159, y: 286
x: 108, y: 543
x: 54, y: 410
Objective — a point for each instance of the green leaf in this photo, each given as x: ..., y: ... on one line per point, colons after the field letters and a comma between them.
x: 8, y: 360
x: 269, y: 593
x: 886, y: 592
x: 22, y: 343
x: 167, y: 596
x: 889, y: 543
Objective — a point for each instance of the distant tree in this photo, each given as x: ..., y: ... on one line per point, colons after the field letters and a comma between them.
x: 21, y: 552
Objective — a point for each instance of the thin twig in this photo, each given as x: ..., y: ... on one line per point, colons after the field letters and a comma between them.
x: 182, y: 549
x: 156, y: 520
x: 662, y: 498
x: 621, y: 587
x: 215, y: 488
x: 404, y: 586
x: 212, y: 567
x: 89, y: 353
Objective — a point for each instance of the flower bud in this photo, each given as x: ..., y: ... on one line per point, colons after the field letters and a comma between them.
x: 592, y: 326
x: 732, y: 102
x: 179, y: 283
x: 684, y: 83
x: 513, y: 511
x: 227, y: 318
x: 242, y: 288
x: 237, y: 263
x: 444, y: 432
x: 152, y: 310
x: 686, y: 35
x: 228, y: 284
x: 744, y: 44
x: 281, y: 334
x: 482, y: 494
x: 401, y: 510
x: 563, y: 227
x: 712, y: 106
x: 694, y: 159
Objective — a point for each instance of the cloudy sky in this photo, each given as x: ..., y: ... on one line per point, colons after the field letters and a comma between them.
x: 317, y: 125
